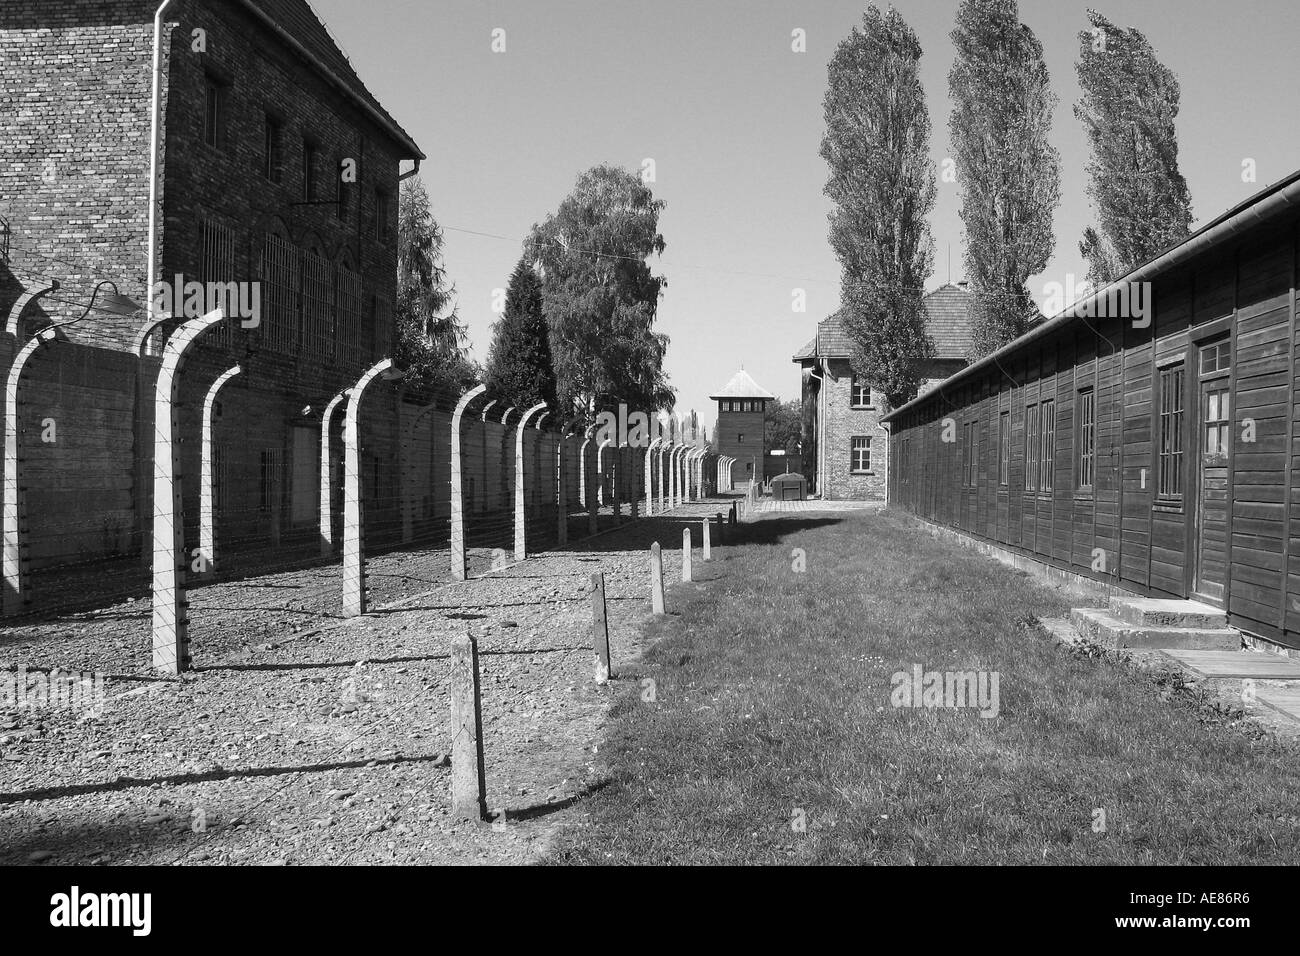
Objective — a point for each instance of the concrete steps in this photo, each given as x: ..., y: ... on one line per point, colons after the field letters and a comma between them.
x: 1269, y: 680
x: 1156, y: 623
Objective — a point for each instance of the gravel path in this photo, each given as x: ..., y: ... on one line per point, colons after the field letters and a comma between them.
x: 304, y: 738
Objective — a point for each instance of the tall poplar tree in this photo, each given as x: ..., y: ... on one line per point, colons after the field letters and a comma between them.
x: 877, y: 145
x: 1129, y: 104
x: 1007, y: 169
x: 519, y: 368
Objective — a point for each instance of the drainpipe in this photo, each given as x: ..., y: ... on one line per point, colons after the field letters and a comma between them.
x: 154, y: 124
x: 820, y: 374
x: 410, y: 172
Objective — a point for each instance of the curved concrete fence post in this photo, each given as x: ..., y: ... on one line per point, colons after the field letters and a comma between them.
x: 206, y: 559
x: 561, y: 491
x: 506, y: 459
x: 487, y: 408
x: 582, y: 469
x: 171, y: 639
x: 601, y: 461
x: 354, y: 546
x: 457, y: 482
x: 664, y: 450
x: 649, y: 479
x: 327, y: 474
x: 521, y: 531
x: 17, y: 586
x: 535, y: 499
x: 145, y: 380
x: 589, y: 477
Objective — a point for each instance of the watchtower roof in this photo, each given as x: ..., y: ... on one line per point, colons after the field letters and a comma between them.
x: 742, y: 386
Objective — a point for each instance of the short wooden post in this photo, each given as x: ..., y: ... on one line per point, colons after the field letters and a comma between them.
x: 600, y: 628
x: 722, y: 530
x: 468, y: 781
x: 686, y: 554
x: 707, y: 544
x: 656, y: 579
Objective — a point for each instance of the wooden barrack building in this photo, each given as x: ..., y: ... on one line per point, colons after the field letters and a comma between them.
x: 1152, y: 447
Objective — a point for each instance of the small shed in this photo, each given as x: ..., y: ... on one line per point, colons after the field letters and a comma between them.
x: 789, y: 487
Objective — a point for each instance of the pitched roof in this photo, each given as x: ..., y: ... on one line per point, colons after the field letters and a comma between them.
x: 742, y: 386
x: 297, y: 19
x: 947, y: 320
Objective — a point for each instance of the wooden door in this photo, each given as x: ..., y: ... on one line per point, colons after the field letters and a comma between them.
x: 1214, y: 446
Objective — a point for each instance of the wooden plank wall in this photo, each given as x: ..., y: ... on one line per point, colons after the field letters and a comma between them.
x: 1145, y: 544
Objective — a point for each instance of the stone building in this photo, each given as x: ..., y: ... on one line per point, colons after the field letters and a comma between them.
x: 848, y: 454
x: 272, y: 167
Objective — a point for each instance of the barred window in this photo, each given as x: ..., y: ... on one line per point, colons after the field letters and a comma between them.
x: 1171, y: 432
x: 217, y: 264
x: 1004, y: 449
x: 280, y: 283
x: 1087, y: 443
x: 1033, y: 448
x: 348, y: 314
x: 317, y: 305
x: 214, y: 112
x: 1047, y: 457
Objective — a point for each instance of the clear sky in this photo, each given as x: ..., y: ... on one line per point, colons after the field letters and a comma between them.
x: 712, y: 92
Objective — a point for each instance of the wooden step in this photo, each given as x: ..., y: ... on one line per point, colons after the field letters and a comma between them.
x: 1283, y: 700
x: 1236, y: 665
x: 1102, y: 626
x: 1167, y: 612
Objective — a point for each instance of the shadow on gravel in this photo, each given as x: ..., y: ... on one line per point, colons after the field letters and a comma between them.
x: 182, y: 779
x: 539, y: 810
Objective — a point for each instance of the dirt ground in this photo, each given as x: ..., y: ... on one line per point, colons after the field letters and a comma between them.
x: 302, y: 737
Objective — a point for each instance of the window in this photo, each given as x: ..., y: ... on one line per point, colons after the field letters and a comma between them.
x: 342, y: 191
x: 1033, y: 446
x: 1004, y: 449
x: 1087, y: 440
x: 860, y: 454
x: 1216, y: 363
x: 969, y: 457
x: 1047, y: 458
x: 861, y: 393
x: 381, y: 313
x: 383, y: 225
x: 1170, y: 483
x: 1216, y: 358
x: 214, y: 112
x: 269, y: 485
x: 317, y: 305
x: 309, y: 154
x: 280, y: 287
x: 347, y: 333
x: 217, y: 264
x: 273, y: 159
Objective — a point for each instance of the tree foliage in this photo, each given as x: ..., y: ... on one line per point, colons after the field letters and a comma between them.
x: 784, y: 426
x: 519, y: 367
x: 600, y: 296
x: 430, y: 339
x: 877, y: 145
x: 1007, y: 169
x: 1129, y: 104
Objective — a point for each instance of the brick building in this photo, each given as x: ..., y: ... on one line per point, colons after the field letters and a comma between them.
x: 275, y: 168
x: 741, y: 431
x: 845, y: 445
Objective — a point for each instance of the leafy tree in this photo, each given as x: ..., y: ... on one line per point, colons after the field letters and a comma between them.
x: 519, y: 364
x: 1129, y: 104
x: 784, y: 426
x: 877, y: 145
x: 430, y: 339
x: 1007, y: 170
x: 600, y: 296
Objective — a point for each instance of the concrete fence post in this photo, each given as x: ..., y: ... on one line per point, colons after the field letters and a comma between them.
x: 170, y: 622
x: 521, y: 516
x: 207, y: 556
x: 656, y: 579
x: 649, y: 479
x: 706, y: 544
x: 327, y: 473
x: 16, y: 563
x: 561, y: 491
x: 600, y: 628
x: 589, y: 477
x: 354, y: 546
x: 458, y: 483
x: 468, y: 779
x: 686, y: 553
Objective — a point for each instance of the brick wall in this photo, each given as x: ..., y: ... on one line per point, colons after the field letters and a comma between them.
x: 842, y: 423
